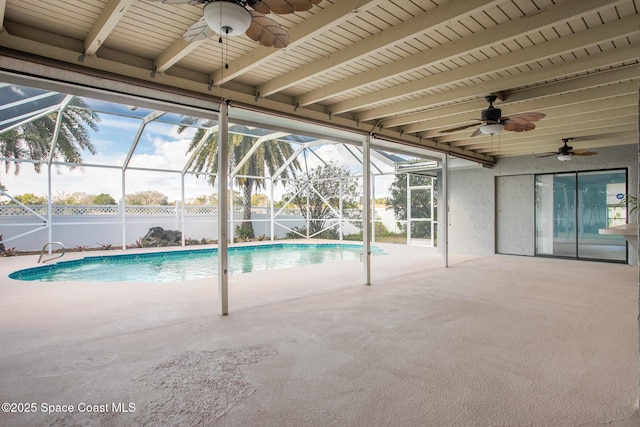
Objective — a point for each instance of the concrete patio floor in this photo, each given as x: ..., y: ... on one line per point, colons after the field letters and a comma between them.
x: 492, y: 341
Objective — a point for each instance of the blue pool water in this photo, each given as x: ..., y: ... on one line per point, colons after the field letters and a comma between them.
x: 176, y: 266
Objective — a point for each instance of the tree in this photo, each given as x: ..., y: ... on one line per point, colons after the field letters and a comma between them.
x: 266, y: 159
x: 103, y: 199
x: 420, y: 201
x: 30, y: 199
x: 77, y: 198
x: 63, y: 198
x: 324, y: 187
x: 33, y: 140
x: 147, y: 198
x: 204, y: 200
x: 259, y: 200
x: 381, y: 201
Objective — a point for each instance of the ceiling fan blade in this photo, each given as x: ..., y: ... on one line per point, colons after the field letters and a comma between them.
x: 199, y: 30
x: 259, y: 6
x: 525, y: 117
x: 512, y: 126
x: 283, y: 7
x: 266, y: 31
x: 176, y: 1
x: 476, y: 133
x: 583, y: 152
x: 463, y: 127
x: 547, y: 154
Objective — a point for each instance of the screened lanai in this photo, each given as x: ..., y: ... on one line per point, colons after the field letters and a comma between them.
x: 63, y: 143
x: 134, y: 148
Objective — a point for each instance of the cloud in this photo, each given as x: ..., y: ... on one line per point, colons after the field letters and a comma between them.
x: 165, y: 149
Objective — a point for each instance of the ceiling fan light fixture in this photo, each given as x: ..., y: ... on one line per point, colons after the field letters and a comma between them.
x: 491, y: 129
x: 228, y: 18
x: 565, y: 157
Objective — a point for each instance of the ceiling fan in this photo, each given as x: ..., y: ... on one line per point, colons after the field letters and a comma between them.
x: 492, y: 121
x: 232, y: 18
x: 566, y: 152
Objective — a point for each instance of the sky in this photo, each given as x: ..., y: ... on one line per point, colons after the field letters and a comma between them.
x: 160, y: 146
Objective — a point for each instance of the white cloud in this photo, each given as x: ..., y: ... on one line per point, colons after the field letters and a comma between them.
x: 167, y: 151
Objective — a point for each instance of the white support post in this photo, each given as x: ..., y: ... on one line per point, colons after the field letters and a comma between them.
x: 182, y: 208
x: 366, y: 210
x: 123, y: 210
x: 443, y: 212
x: 408, y: 210
x: 176, y: 217
x: 49, y: 207
x: 223, y: 178
x: 340, y: 207
x: 272, y: 211
x: 232, y: 209
x: 431, y: 212
x: 309, y: 188
x: 373, y: 209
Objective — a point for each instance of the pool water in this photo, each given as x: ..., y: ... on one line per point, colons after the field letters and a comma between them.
x: 181, y: 265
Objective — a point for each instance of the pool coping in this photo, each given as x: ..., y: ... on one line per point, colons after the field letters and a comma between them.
x: 167, y: 252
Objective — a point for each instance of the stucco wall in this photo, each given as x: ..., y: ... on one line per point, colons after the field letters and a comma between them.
x: 515, y: 222
x: 471, y: 211
x: 472, y: 207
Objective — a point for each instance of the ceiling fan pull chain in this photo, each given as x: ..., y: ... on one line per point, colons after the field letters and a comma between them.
x: 226, y: 53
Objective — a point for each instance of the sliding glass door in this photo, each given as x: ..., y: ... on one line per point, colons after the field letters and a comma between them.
x: 572, y: 207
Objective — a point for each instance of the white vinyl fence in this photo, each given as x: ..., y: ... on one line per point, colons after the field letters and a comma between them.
x: 28, y: 228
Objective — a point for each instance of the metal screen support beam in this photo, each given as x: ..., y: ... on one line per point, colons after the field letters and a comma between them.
x: 122, y: 207
x: 340, y: 210
x: 443, y: 212
x: 272, y: 215
x: 373, y: 209
x: 366, y: 210
x: 223, y: 180
x: 309, y: 188
x: 49, y: 207
x: 408, y: 209
x: 231, y: 180
x: 182, y: 208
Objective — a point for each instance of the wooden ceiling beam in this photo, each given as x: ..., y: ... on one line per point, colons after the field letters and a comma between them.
x: 3, y: 6
x: 389, y: 37
x: 566, y: 69
x: 505, y: 31
x: 539, y: 52
x: 534, y: 99
x: 108, y: 19
x: 321, y: 21
x: 178, y: 50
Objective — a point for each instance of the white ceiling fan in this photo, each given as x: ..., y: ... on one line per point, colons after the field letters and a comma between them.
x: 235, y: 17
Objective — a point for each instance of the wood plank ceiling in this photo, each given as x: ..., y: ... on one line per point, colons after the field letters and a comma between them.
x: 409, y: 70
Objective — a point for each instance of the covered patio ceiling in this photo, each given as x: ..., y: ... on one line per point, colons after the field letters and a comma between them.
x: 407, y: 70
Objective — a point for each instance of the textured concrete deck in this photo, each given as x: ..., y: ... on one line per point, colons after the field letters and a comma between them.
x: 489, y: 341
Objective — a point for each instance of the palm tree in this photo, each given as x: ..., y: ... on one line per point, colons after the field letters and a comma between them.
x: 266, y: 159
x: 33, y: 140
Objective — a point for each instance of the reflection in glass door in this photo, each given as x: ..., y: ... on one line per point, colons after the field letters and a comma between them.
x: 571, y: 208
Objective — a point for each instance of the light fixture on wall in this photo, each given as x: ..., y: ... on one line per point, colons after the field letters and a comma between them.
x: 565, y: 157
x: 228, y: 18
x: 491, y: 128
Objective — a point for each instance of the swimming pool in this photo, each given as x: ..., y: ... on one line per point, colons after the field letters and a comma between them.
x: 181, y: 265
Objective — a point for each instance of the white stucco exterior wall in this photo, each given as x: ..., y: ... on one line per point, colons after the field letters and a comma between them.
x: 472, y: 207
